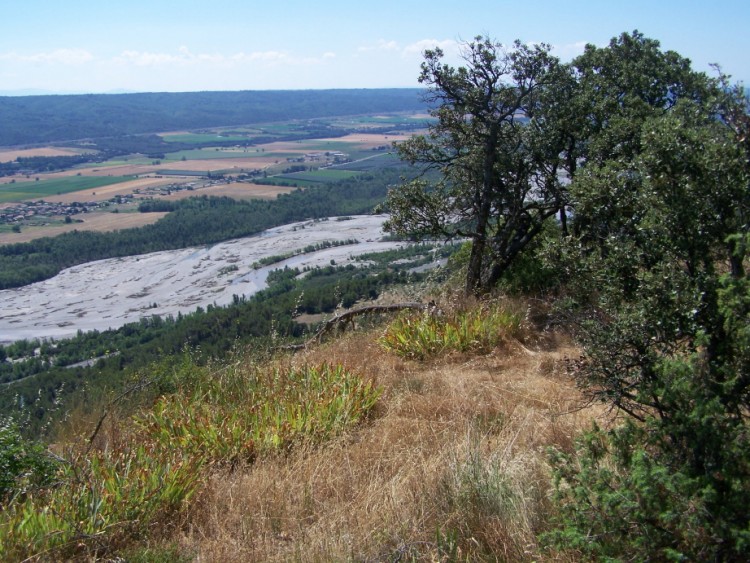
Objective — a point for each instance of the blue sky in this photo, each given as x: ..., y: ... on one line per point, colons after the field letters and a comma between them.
x: 187, y: 45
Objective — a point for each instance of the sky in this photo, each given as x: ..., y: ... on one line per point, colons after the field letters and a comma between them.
x: 83, y: 46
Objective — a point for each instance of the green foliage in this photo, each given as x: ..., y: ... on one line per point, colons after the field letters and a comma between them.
x: 530, y: 273
x: 24, y: 464
x: 499, y: 180
x: 621, y: 497
x: 479, y: 329
x: 101, y: 501
x: 656, y: 270
x: 234, y: 415
x: 39, y: 119
x: 104, y: 501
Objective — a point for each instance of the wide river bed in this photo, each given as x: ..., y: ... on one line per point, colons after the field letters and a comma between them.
x: 110, y: 293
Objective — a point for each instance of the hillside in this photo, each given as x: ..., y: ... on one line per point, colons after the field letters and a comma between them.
x: 451, y: 466
x: 42, y: 119
x: 573, y: 384
x: 438, y: 458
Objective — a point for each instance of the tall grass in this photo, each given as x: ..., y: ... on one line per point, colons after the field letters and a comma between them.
x: 99, y: 502
x: 425, y: 335
x: 152, y: 465
x: 234, y: 416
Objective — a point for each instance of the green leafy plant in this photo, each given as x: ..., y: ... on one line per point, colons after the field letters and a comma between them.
x: 479, y: 329
x: 24, y: 464
x: 100, y: 501
x: 232, y: 416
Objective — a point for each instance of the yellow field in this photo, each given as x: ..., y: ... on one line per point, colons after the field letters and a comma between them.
x: 148, y: 172
x: 100, y: 221
x: 11, y: 155
x: 104, y: 193
x: 236, y: 190
x: 369, y: 140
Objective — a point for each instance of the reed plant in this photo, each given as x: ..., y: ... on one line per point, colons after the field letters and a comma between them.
x: 233, y: 416
x: 477, y: 329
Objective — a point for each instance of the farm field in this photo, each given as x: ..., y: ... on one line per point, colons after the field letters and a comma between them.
x: 42, y: 189
x: 97, y: 221
x: 140, y: 175
x: 236, y: 190
x: 104, y: 193
x: 10, y: 155
x: 323, y: 175
x: 108, y: 221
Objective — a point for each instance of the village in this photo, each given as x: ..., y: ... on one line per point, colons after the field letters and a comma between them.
x: 30, y: 210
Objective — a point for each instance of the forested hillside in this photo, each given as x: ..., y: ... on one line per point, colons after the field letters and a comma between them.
x: 41, y: 119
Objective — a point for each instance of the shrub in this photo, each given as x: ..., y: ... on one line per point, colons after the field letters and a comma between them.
x: 100, y: 502
x: 23, y: 463
x: 234, y: 415
x: 476, y: 330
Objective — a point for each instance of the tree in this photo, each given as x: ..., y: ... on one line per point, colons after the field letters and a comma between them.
x: 656, y: 268
x: 498, y: 169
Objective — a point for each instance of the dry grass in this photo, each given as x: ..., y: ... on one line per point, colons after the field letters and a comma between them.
x: 453, y: 464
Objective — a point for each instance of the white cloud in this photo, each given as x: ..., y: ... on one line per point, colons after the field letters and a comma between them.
x: 569, y: 50
x: 449, y: 46
x: 139, y: 58
x: 185, y: 57
x: 381, y: 45
x: 270, y: 57
x: 58, y: 56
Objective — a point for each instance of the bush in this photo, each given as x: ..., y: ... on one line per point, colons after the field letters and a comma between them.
x: 24, y: 464
x: 231, y: 417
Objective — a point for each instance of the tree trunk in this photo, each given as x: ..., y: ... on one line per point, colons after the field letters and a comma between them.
x: 474, y: 271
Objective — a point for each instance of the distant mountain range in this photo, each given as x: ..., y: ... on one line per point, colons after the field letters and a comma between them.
x: 38, y: 119
x: 38, y: 92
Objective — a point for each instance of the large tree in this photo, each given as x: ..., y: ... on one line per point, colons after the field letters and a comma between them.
x: 656, y: 265
x: 498, y: 169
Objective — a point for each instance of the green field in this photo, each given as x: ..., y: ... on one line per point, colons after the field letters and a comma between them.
x: 376, y: 162
x: 203, y: 138
x: 23, y: 191
x: 213, y: 154
x: 326, y: 175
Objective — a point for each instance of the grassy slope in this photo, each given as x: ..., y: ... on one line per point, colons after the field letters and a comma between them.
x: 450, y: 465
x: 457, y: 447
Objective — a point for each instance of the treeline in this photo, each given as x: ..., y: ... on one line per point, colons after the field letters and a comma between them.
x: 37, y: 164
x: 195, y: 221
x: 39, y: 119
